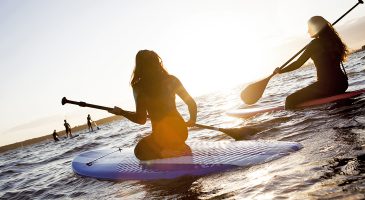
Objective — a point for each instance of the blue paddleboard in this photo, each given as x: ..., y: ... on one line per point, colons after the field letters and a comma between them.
x: 206, y: 158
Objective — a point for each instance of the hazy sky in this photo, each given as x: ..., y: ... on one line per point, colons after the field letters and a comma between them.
x: 85, y: 50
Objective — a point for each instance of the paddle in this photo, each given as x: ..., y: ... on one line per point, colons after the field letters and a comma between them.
x: 253, y: 92
x: 236, y: 133
x: 241, y: 133
x: 97, y: 127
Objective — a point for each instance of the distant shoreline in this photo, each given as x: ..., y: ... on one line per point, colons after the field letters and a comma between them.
x: 60, y: 133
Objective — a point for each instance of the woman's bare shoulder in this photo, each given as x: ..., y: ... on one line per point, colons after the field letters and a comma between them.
x: 173, y: 80
x: 315, y: 42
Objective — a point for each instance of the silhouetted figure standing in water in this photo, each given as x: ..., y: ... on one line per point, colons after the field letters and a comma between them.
x: 89, y: 123
x: 68, y: 128
x: 154, y: 92
x: 327, y: 52
x: 55, y: 136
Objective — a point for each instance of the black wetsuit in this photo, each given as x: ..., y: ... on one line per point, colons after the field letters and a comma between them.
x: 55, y: 136
x: 89, y: 123
x: 331, y: 80
x: 68, y: 129
x: 169, y: 130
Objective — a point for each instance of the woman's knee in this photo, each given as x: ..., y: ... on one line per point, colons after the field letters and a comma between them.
x: 146, y: 149
x: 138, y: 151
x: 291, y: 101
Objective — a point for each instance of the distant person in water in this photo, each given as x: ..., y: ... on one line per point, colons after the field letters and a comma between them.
x: 327, y: 52
x: 68, y: 128
x: 55, y: 136
x: 154, y: 92
x: 89, y: 123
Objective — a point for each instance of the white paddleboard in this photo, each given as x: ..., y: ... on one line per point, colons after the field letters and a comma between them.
x: 207, y: 158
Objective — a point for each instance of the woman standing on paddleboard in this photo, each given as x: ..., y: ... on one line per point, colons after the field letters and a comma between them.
x: 154, y: 92
x: 327, y: 52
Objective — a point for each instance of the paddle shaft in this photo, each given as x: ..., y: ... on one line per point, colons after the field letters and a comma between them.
x: 358, y: 3
x: 83, y: 104
x: 208, y: 127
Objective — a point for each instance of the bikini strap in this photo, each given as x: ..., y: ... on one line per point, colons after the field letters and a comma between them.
x: 343, y: 68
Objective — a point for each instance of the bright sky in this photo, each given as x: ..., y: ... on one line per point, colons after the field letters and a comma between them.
x: 85, y: 50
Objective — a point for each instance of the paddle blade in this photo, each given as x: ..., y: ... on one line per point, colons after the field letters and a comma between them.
x: 253, y: 92
x: 242, y: 133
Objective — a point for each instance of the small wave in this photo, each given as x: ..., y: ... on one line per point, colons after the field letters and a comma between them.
x: 346, y: 166
x: 81, y: 148
x: 6, y: 186
x: 77, y: 194
x: 34, y: 164
x: 25, y: 194
x: 54, y: 196
x: 10, y: 172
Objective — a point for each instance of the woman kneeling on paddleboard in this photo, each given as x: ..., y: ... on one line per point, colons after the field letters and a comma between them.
x: 154, y: 92
x: 327, y: 52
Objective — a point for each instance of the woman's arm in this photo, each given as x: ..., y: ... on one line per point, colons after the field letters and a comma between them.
x: 185, y: 96
x: 299, y: 62
x: 139, y: 117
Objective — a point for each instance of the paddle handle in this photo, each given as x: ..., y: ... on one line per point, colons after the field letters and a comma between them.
x: 83, y: 104
x: 299, y: 52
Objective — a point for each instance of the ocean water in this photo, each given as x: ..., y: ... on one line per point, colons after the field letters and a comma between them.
x: 330, y: 166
